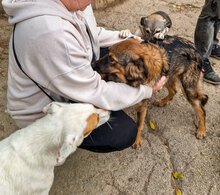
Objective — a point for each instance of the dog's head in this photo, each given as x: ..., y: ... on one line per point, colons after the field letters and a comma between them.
x: 132, y: 63
x: 155, y: 25
x: 77, y: 122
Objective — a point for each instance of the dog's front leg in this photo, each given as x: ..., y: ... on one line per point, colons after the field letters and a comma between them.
x: 141, y: 109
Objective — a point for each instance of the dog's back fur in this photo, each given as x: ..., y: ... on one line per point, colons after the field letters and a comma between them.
x: 184, y: 61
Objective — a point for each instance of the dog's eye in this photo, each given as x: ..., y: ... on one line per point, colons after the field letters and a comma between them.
x: 110, y: 59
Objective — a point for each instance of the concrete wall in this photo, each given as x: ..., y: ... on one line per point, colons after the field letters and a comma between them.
x: 98, y: 4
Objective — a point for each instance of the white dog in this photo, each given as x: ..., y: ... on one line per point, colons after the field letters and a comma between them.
x: 28, y: 156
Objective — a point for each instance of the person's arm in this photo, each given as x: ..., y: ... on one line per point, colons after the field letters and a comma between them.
x: 86, y: 86
x: 106, y: 37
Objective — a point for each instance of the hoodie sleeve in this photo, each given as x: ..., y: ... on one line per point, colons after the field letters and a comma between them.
x: 85, y: 85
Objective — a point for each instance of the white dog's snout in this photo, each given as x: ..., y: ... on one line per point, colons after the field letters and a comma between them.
x: 104, y: 116
x: 104, y: 113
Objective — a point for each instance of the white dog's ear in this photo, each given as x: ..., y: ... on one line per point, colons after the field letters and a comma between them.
x: 69, y: 146
x: 92, y: 123
x: 52, y: 108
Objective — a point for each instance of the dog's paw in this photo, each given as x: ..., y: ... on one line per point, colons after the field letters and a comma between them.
x: 159, y: 36
x: 201, y: 134
x: 137, y: 143
x: 124, y: 33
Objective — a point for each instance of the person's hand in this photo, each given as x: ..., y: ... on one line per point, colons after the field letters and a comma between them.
x: 159, y: 85
x: 126, y: 33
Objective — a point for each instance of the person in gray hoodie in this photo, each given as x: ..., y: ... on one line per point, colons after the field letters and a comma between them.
x: 50, y: 55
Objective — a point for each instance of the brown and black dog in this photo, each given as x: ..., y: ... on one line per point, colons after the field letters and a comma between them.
x: 136, y: 63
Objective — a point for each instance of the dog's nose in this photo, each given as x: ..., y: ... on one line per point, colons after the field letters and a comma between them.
x: 104, y: 113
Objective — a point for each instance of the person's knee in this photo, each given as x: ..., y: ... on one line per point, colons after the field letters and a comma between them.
x: 127, y: 137
x: 119, y: 133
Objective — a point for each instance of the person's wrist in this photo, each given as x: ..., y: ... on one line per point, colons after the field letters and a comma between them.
x: 148, y: 91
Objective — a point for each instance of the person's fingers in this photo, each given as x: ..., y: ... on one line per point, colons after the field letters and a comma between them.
x: 159, y: 84
x: 124, y: 33
x: 163, y: 79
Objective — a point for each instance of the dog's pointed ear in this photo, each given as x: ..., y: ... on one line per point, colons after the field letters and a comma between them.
x: 142, y: 22
x: 52, y: 108
x: 140, y: 63
x: 133, y: 74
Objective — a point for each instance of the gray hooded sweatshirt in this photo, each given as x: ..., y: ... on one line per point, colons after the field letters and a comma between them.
x: 55, y: 50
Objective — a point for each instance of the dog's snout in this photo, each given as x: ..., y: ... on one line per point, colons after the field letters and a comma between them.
x: 101, y: 64
x: 104, y: 115
x: 104, y: 110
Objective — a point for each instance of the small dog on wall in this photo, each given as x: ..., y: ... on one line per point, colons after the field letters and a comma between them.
x: 29, y: 155
x: 156, y: 25
x: 136, y: 63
